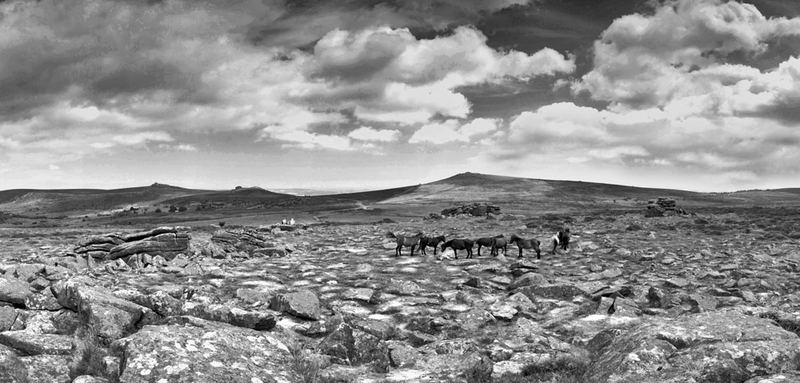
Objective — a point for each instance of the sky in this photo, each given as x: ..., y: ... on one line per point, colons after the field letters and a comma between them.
x: 699, y: 95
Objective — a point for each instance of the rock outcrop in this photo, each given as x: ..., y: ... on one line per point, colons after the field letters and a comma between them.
x: 475, y: 210
x: 166, y: 242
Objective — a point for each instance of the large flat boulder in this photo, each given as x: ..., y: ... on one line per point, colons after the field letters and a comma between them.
x: 719, y: 346
x: 188, y: 349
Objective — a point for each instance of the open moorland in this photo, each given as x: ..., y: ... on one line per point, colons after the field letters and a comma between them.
x: 164, y: 284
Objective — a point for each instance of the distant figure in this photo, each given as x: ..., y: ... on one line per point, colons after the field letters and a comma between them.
x: 291, y: 222
x: 283, y: 221
x: 560, y: 239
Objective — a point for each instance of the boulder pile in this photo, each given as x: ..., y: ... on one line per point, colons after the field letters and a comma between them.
x: 475, y: 210
x: 248, y: 241
x: 663, y: 206
x: 166, y: 242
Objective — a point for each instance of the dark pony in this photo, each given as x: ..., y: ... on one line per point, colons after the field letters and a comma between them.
x: 487, y: 242
x: 561, y: 239
x: 405, y: 240
x: 523, y: 243
x: 499, y: 243
x: 459, y: 244
x: 433, y: 242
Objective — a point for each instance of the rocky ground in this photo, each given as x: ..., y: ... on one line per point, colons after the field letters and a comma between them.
x: 705, y: 298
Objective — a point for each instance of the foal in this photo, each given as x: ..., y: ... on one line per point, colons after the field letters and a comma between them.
x: 405, y: 240
x: 459, y: 244
x: 433, y: 242
x: 560, y: 239
x: 526, y: 244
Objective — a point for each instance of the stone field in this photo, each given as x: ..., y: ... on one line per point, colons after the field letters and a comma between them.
x: 711, y: 297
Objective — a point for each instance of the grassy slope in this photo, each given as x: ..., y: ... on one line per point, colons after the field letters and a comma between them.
x: 512, y: 194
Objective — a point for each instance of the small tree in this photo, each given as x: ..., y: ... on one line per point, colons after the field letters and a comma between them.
x: 172, y: 208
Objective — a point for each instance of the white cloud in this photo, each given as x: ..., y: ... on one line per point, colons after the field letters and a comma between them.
x: 438, y: 133
x: 677, y: 102
x: 306, y: 140
x: 453, y: 131
x: 366, y: 133
x: 637, y: 64
x: 389, y: 75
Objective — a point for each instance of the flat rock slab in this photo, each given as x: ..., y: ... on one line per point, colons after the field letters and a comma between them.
x: 30, y: 343
x: 302, y: 304
x: 195, y: 350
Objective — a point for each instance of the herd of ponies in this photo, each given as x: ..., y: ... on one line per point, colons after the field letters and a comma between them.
x: 495, y: 244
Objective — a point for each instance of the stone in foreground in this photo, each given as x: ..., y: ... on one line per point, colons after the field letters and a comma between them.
x: 189, y: 349
x: 719, y: 346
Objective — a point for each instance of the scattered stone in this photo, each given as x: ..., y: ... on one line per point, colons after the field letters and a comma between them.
x: 302, y: 304
x: 676, y: 282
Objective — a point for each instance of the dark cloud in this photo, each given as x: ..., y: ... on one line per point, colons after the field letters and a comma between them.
x: 304, y: 22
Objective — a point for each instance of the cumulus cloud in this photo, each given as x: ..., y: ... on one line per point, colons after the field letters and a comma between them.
x: 693, y: 101
x: 366, y: 133
x: 97, y: 75
x: 453, y: 131
x: 387, y: 74
x: 637, y: 64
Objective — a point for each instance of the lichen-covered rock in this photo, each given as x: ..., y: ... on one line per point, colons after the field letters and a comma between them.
x: 47, y: 368
x: 7, y: 317
x: 110, y: 316
x: 12, y: 370
x: 302, y: 304
x: 195, y: 350
x: 89, y: 379
x: 43, y: 300
x: 232, y: 315
x: 351, y: 346
x: 718, y: 346
x: 785, y: 377
x: 561, y: 291
x: 159, y: 301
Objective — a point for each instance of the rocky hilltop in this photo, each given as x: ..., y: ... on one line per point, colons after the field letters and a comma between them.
x: 705, y: 298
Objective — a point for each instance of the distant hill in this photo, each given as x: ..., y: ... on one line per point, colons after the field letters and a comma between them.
x: 87, y: 200
x: 555, y: 195
x: 513, y: 194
